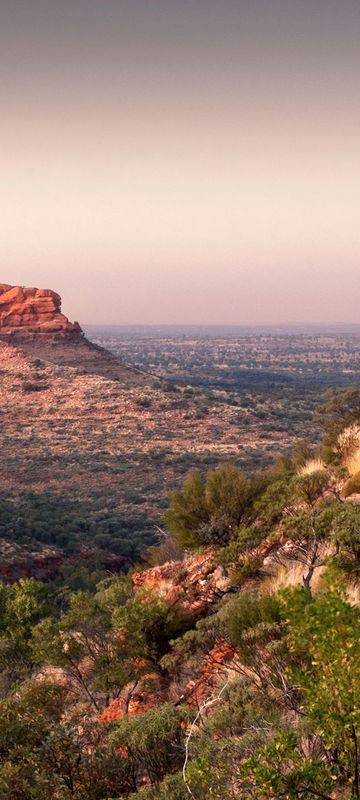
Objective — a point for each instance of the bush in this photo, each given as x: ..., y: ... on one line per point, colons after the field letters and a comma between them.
x: 154, y: 740
x: 34, y: 387
x: 249, y: 567
x: 208, y: 511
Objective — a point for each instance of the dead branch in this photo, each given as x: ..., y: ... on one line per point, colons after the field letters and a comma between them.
x: 206, y: 704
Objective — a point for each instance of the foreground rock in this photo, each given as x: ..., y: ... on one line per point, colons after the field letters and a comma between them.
x: 193, y: 585
x: 31, y: 319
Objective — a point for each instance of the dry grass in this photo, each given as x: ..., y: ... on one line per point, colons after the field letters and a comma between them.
x: 353, y: 593
x: 313, y: 465
x: 286, y: 570
x: 353, y: 485
x: 349, y: 443
x: 353, y: 462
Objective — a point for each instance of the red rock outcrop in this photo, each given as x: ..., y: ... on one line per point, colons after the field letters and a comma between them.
x: 149, y: 693
x: 31, y: 313
x: 152, y: 689
x: 193, y: 585
x: 217, y: 664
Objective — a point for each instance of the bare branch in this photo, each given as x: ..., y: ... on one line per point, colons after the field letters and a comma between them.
x: 206, y: 704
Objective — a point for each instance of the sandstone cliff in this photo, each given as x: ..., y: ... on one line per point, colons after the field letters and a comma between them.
x: 31, y: 313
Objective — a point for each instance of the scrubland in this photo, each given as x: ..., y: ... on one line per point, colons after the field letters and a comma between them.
x: 226, y: 665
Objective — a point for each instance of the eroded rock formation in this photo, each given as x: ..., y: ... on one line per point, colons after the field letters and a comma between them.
x: 31, y: 313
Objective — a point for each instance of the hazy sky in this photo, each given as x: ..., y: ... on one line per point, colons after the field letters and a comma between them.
x: 183, y: 160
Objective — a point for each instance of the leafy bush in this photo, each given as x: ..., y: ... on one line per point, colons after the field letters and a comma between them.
x: 209, y: 510
x: 154, y: 740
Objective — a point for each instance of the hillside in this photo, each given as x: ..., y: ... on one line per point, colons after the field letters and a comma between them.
x: 228, y: 665
x: 31, y: 320
x: 231, y: 671
x: 100, y: 457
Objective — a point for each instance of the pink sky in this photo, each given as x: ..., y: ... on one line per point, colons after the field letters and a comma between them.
x: 183, y: 163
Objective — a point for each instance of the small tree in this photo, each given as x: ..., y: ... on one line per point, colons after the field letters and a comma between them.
x: 107, y: 640
x: 208, y: 511
x: 44, y: 754
x: 310, y: 489
x: 22, y: 605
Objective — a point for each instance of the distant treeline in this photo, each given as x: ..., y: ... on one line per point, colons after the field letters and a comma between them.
x: 262, y: 380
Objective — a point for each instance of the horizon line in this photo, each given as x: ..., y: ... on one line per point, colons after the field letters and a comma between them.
x: 221, y: 324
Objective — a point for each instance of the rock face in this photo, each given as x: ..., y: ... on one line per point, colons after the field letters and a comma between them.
x: 193, y: 586
x: 27, y: 313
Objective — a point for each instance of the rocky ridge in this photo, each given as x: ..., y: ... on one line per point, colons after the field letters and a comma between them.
x: 31, y: 320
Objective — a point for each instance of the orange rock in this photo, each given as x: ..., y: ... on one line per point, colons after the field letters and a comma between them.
x: 191, y: 585
x: 115, y: 710
x: 212, y: 671
x: 32, y: 313
x: 143, y: 698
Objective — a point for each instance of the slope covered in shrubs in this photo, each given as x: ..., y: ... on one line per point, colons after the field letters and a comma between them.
x: 229, y: 671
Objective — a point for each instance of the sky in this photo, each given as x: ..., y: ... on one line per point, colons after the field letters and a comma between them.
x: 183, y: 161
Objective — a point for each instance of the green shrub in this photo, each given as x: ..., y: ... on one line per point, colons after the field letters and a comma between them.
x: 27, y: 386
x: 208, y: 511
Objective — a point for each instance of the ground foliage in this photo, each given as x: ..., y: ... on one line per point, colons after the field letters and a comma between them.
x: 282, y: 717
